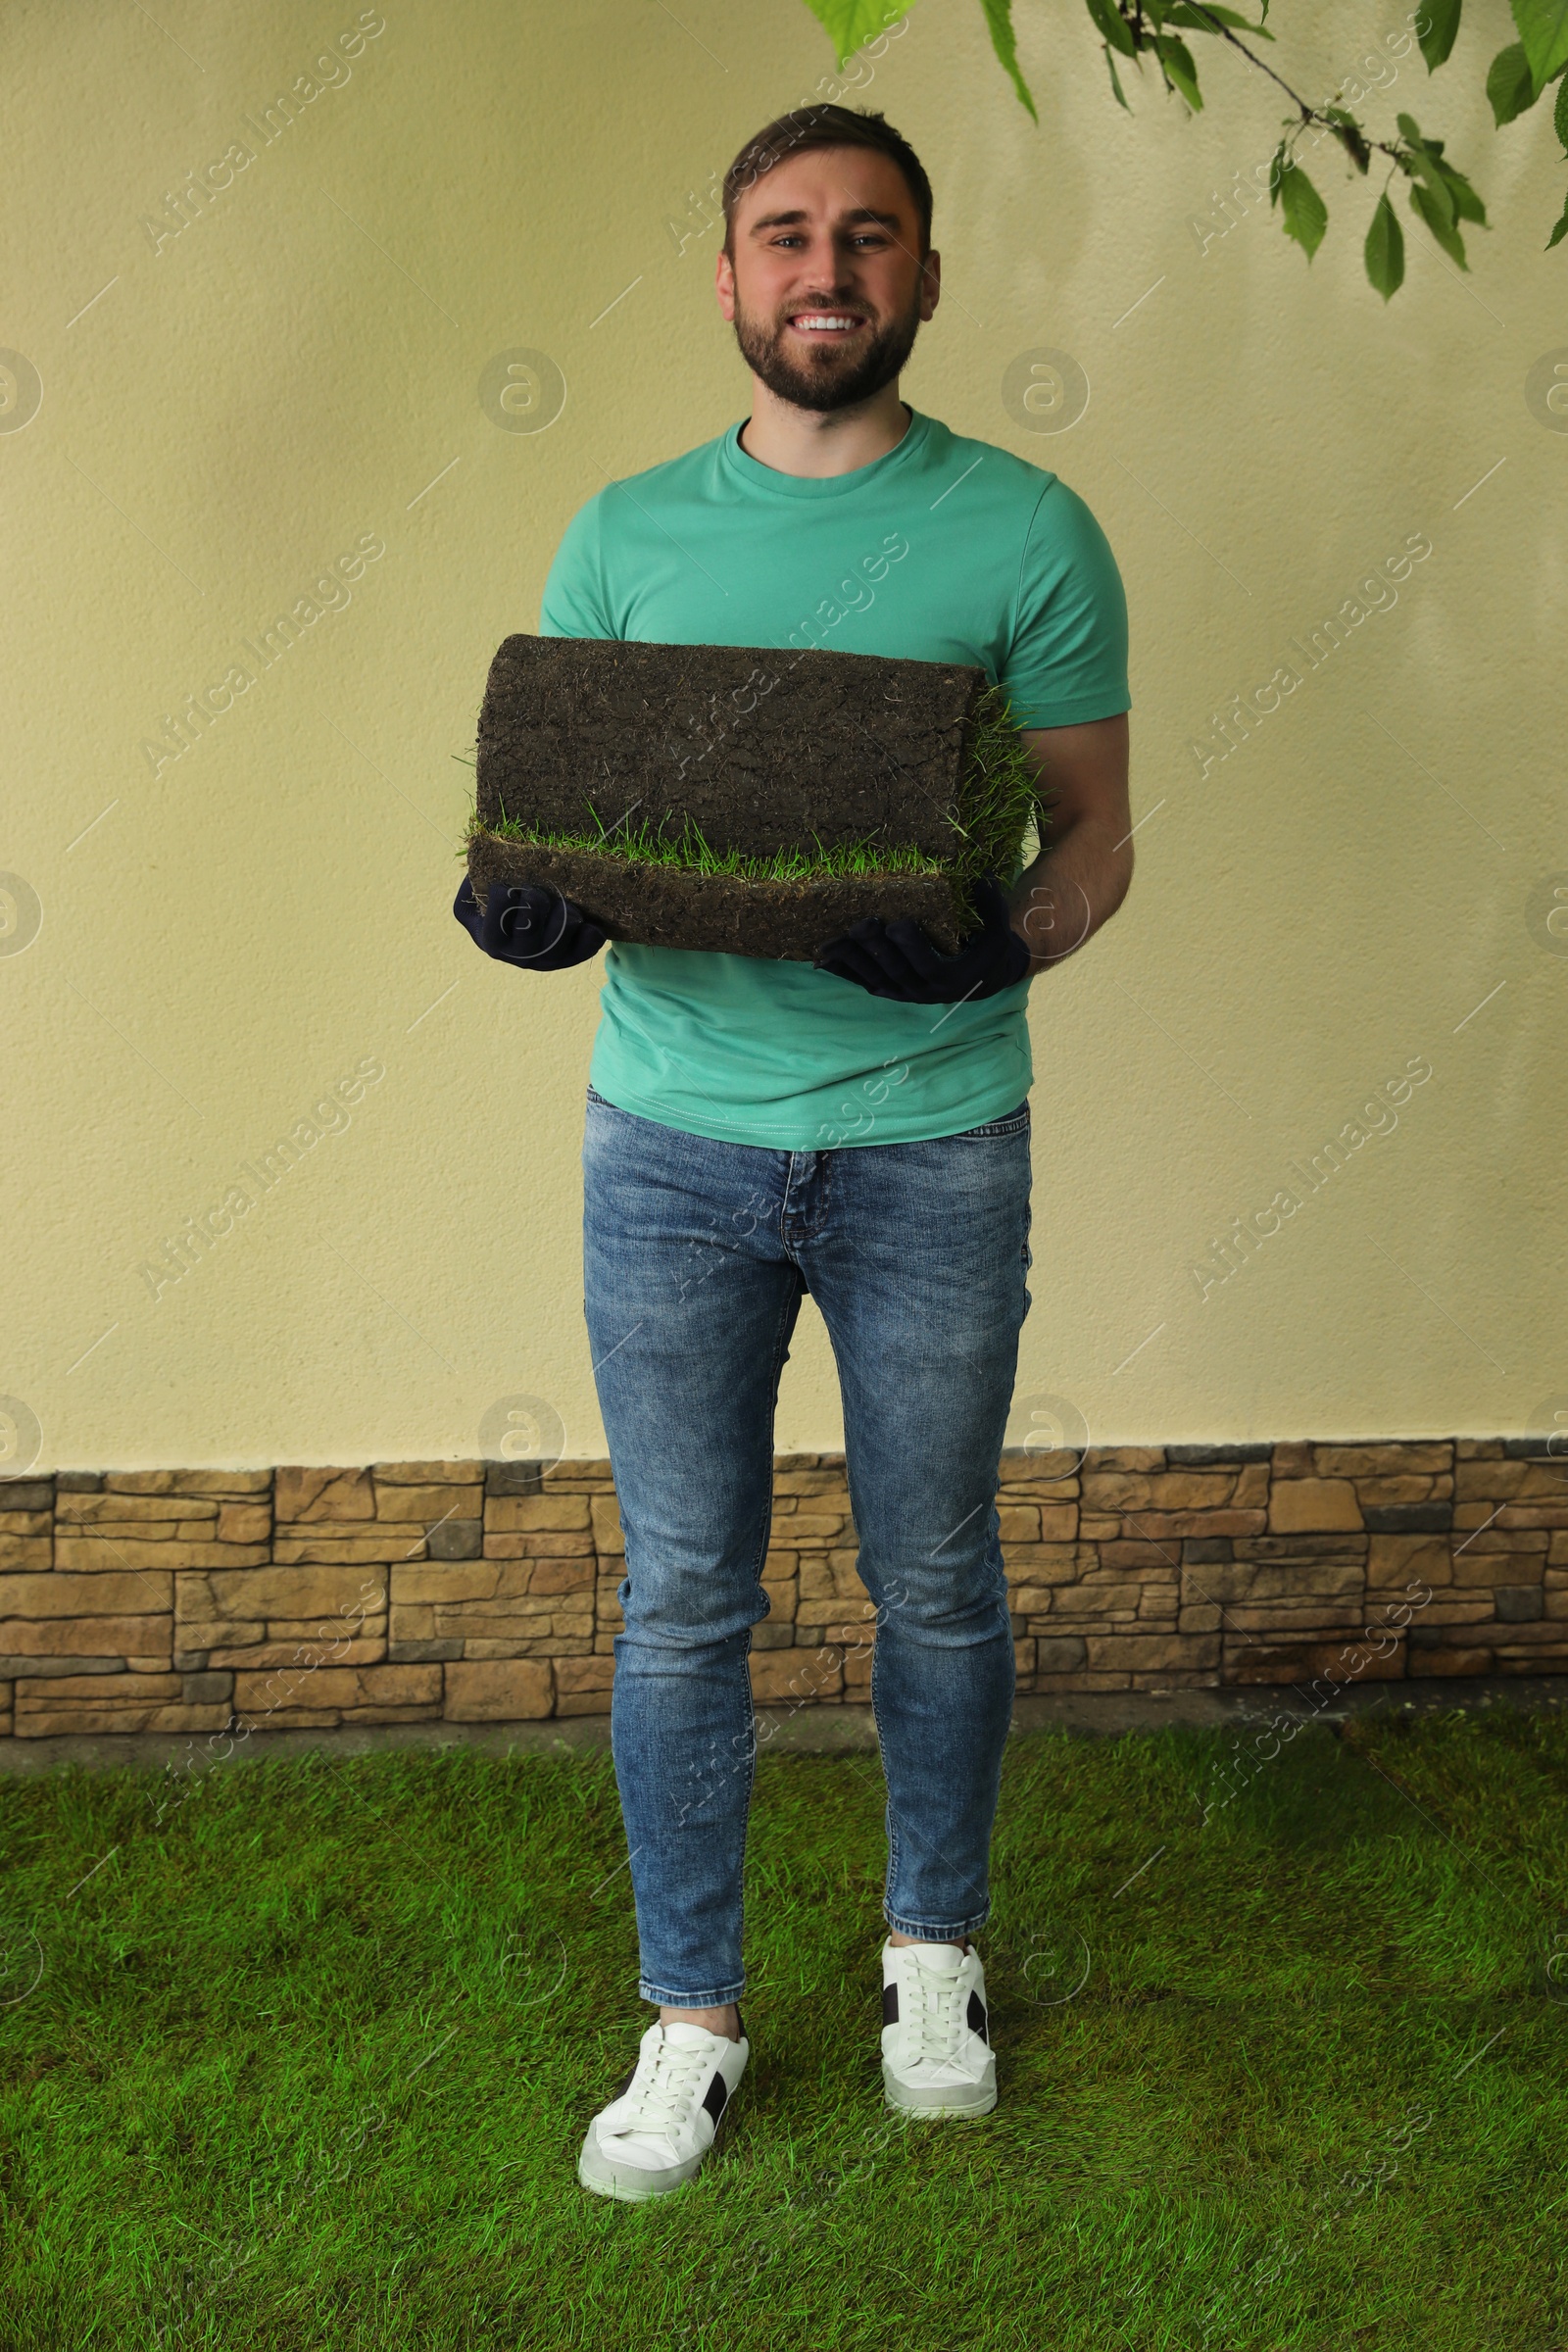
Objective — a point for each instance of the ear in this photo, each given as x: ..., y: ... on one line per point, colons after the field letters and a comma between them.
x: 724, y: 284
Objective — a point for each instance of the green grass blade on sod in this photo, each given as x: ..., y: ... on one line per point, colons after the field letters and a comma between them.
x: 307, y: 2061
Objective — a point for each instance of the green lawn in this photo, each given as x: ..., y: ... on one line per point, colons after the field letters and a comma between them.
x: 307, y: 2063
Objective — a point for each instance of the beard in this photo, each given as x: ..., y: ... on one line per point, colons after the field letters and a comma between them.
x: 836, y: 377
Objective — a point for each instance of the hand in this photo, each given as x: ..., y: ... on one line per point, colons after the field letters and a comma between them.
x: 897, y: 960
x: 526, y: 925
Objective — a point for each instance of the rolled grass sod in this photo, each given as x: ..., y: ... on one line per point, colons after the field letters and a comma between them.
x: 721, y: 797
x: 307, y: 2061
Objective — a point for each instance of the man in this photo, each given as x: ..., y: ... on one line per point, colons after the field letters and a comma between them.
x: 755, y: 1129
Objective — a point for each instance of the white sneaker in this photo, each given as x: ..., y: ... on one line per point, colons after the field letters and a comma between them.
x: 654, y: 2133
x: 936, y: 2057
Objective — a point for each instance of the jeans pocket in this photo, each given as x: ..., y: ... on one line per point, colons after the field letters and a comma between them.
x: 1016, y: 1122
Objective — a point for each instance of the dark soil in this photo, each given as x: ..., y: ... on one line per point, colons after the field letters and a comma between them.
x: 668, y: 906
x: 845, y: 747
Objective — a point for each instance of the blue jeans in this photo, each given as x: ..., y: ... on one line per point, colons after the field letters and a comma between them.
x: 696, y: 1256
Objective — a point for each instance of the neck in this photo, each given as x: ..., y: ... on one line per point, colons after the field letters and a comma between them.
x: 822, y: 442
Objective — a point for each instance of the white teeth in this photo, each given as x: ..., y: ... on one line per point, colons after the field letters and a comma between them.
x: 814, y: 320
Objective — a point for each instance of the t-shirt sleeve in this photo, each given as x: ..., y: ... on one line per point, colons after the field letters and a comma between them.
x: 1068, y: 657
x: 574, y: 603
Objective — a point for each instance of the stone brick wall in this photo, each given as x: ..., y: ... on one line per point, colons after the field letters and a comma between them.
x: 200, y: 1601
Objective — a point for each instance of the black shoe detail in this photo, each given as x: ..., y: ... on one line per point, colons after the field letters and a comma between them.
x: 976, y: 2017
x: 622, y: 2088
x: 717, y: 2097
x: 889, y: 2004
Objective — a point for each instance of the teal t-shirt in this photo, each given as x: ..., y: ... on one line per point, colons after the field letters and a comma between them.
x: 943, y: 550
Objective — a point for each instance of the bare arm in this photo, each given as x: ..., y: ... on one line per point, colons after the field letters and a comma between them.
x: 1082, y: 876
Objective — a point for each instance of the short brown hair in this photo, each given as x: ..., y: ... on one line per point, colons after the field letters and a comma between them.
x: 808, y: 127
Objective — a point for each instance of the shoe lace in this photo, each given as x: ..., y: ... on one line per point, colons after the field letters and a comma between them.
x: 662, y: 2095
x: 935, y: 2025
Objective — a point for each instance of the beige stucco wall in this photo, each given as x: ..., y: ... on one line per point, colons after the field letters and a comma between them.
x: 225, y: 415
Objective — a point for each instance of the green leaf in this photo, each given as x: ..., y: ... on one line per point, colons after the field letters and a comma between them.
x: 1112, y: 27
x: 1561, y: 230
x: 1196, y: 16
x: 1467, y: 204
x: 1439, y: 20
x: 1177, y: 59
x: 1426, y: 167
x: 999, y: 16
x: 1116, y: 81
x: 1440, y: 223
x: 1559, y: 115
x: 1510, y: 85
x: 851, y: 24
x: 1306, y: 216
x: 1385, y: 249
x: 1544, y: 31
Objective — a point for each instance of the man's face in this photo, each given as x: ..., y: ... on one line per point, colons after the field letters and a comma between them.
x: 827, y: 291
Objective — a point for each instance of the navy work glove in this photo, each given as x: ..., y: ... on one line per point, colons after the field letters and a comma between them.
x: 526, y: 925
x: 897, y: 960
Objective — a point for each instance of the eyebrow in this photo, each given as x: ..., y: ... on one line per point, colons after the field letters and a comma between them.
x: 792, y: 219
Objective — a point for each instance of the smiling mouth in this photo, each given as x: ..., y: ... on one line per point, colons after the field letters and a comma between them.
x: 826, y: 324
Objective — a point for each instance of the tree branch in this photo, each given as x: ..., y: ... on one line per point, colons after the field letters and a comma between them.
x: 1295, y: 96
x: 1308, y: 114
